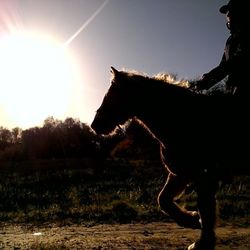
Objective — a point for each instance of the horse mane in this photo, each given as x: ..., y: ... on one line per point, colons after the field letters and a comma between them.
x: 165, y: 77
x: 172, y: 79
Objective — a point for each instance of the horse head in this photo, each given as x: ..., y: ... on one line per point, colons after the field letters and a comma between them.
x: 116, y: 105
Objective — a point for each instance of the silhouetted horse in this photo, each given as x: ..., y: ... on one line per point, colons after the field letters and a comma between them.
x: 202, y: 140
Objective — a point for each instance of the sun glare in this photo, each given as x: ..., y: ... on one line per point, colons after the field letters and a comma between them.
x: 35, y: 79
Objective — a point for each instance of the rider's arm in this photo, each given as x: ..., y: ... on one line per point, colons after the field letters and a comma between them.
x: 237, y: 60
x: 214, y: 76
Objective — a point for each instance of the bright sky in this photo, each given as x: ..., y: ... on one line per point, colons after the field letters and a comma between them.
x: 55, y: 56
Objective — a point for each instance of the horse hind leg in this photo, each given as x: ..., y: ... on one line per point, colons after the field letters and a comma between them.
x: 173, y: 187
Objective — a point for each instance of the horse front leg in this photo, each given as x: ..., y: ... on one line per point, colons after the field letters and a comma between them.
x: 206, y: 190
x: 173, y: 187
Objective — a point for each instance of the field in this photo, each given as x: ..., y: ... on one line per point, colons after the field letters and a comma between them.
x: 150, y: 236
x: 51, y: 205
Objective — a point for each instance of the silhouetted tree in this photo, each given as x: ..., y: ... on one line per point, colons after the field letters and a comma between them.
x: 59, y: 139
x: 5, y: 138
x: 16, y: 135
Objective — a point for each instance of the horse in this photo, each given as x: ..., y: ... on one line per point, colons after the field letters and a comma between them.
x: 201, y: 140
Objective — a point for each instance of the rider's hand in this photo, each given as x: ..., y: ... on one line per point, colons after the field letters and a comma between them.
x: 200, y: 85
x: 196, y: 85
x: 203, y: 83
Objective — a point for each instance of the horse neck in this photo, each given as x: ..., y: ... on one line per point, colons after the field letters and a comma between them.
x: 153, y: 121
x: 155, y: 109
x: 167, y: 110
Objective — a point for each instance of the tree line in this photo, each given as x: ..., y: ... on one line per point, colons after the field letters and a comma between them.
x: 71, y: 138
x: 55, y: 139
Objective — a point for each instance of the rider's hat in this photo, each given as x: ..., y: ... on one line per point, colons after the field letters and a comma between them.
x: 232, y: 5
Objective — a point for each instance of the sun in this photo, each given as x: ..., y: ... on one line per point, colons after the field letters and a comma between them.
x: 35, y: 78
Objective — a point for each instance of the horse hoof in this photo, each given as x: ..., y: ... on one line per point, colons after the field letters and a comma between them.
x: 202, y: 245
x: 192, y: 247
x: 191, y: 221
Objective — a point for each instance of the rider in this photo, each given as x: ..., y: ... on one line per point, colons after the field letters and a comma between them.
x: 234, y: 64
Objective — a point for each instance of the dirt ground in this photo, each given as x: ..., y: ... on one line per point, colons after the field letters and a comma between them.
x: 157, y: 236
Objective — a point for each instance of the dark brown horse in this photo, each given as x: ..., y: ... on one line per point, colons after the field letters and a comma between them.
x: 201, y: 140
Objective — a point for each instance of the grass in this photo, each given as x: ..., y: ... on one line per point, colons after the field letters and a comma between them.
x: 55, y: 193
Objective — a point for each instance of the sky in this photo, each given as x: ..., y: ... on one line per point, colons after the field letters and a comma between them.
x: 183, y: 37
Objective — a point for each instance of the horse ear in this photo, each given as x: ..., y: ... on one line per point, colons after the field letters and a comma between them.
x: 114, y: 71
